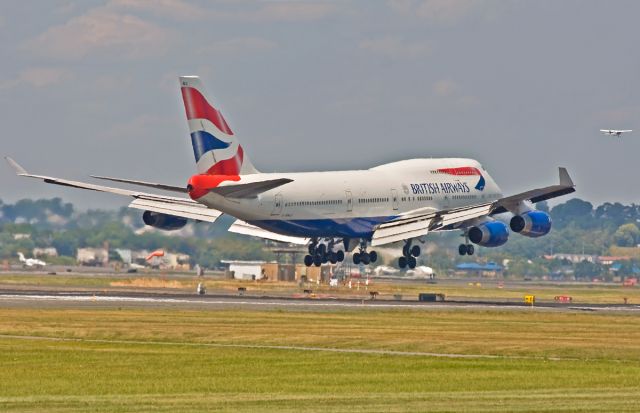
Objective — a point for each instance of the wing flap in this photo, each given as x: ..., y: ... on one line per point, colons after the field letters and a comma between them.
x: 244, y: 228
x: 394, y: 233
x: 417, y: 226
x: 185, y: 211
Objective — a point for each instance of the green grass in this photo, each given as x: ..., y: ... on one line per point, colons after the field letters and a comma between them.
x: 60, y: 377
x: 488, y: 289
x: 175, y: 364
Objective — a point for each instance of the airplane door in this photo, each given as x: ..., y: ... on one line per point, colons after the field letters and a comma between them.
x: 394, y: 199
x: 349, y: 201
x: 277, y: 205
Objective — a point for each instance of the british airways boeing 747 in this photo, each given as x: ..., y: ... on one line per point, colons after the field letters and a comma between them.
x: 334, y: 211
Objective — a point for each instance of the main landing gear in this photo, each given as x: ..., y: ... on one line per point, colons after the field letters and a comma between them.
x: 466, y: 248
x: 409, y: 255
x: 322, y: 253
x: 364, y: 257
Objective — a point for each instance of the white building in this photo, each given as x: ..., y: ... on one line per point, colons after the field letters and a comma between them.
x: 45, y: 252
x: 245, y: 270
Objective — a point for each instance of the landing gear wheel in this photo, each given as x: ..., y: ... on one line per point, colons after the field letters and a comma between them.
x: 325, y: 258
x: 411, y: 262
x: 415, y: 251
x: 317, y: 260
x: 374, y: 256
x: 405, y: 251
x: 333, y: 257
x: 340, y: 255
x: 312, y: 249
x: 462, y: 249
x: 308, y: 260
x: 321, y: 249
x: 470, y: 249
x: 402, y: 262
x: 366, y: 258
x: 356, y: 258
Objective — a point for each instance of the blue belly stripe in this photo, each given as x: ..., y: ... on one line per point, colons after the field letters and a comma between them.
x: 341, y: 227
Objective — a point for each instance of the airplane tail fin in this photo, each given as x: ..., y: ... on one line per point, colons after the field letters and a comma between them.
x: 216, y: 148
x: 21, y: 257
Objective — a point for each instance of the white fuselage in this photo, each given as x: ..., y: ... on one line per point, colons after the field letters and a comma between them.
x: 351, y: 203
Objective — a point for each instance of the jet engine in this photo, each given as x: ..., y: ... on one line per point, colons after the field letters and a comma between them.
x: 163, y: 221
x: 489, y: 234
x: 531, y: 224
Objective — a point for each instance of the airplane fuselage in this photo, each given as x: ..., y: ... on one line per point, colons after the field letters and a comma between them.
x: 351, y: 203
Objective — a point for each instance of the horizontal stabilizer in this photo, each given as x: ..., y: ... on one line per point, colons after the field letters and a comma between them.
x: 244, y: 228
x: 163, y: 187
x: 251, y: 189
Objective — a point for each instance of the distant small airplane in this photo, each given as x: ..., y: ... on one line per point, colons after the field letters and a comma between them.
x: 30, y: 262
x: 616, y: 132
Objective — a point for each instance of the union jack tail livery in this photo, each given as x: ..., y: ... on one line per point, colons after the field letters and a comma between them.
x: 216, y: 148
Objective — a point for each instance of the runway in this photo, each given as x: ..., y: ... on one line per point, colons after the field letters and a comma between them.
x: 27, y: 297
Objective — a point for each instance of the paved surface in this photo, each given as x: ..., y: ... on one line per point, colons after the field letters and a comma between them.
x: 51, y: 297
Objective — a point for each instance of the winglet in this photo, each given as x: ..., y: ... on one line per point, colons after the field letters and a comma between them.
x: 565, y: 179
x: 16, y: 166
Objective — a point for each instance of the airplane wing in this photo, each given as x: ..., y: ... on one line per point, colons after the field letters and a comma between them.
x: 241, y: 227
x: 181, y: 207
x: 566, y: 186
x: 416, y: 223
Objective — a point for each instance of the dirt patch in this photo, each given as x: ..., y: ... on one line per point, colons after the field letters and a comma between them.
x: 150, y: 283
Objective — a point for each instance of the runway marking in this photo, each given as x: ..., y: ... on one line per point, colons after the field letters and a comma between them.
x: 293, y: 348
x: 275, y: 302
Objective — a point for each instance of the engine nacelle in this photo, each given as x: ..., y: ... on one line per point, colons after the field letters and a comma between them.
x: 531, y: 224
x: 163, y: 221
x: 490, y: 234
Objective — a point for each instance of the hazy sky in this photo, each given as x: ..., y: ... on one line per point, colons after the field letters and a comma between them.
x: 523, y: 86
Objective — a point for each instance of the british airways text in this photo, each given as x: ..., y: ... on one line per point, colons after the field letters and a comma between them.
x: 442, y: 187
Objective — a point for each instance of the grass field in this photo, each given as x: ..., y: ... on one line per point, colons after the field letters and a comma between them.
x: 63, y: 358
x: 485, y: 290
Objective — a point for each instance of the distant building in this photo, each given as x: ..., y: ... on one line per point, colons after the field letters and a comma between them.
x: 573, y: 258
x: 246, y: 270
x: 595, y: 259
x: 178, y: 262
x: 93, y: 256
x: 45, y: 252
x: 607, y: 260
x: 490, y: 269
x: 19, y: 236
